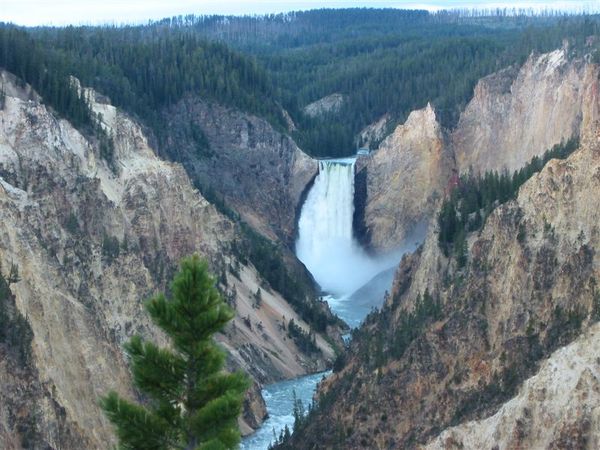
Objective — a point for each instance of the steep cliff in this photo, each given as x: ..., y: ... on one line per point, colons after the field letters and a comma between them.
x: 516, y: 114
x: 373, y: 134
x: 453, y: 345
x: 559, y: 407
x: 258, y: 171
x: 92, y: 244
x: 403, y: 179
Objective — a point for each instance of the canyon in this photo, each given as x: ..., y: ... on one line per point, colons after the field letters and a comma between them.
x: 514, y: 115
x: 94, y: 238
x: 476, y: 353
x: 92, y: 243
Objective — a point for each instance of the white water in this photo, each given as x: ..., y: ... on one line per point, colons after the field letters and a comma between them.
x: 279, y: 398
x: 326, y: 244
x: 356, y: 281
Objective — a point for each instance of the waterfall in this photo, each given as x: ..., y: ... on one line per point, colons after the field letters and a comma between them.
x: 325, y: 239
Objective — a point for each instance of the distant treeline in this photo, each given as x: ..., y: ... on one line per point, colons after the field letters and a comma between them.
x: 141, y: 69
x: 384, y: 61
x: 23, y: 56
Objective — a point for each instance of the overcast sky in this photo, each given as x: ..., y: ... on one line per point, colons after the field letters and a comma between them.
x: 61, y: 12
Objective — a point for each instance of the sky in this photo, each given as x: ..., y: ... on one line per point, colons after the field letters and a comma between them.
x: 76, y: 12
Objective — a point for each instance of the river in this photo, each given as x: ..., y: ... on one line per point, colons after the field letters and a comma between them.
x: 355, y: 282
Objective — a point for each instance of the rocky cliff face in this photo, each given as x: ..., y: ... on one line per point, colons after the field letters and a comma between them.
x: 453, y: 345
x: 404, y: 179
x: 326, y: 105
x: 516, y: 114
x: 559, y: 407
x: 91, y: 245
x: 259, y: 172
x: 373, y: 134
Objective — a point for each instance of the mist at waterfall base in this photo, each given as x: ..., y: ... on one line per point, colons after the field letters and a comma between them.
x: 326, y: 243
x: 356, y: 282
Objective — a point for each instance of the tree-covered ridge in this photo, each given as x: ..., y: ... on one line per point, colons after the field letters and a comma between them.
x: 23, y: 56
x: 144, y: 70
x: 141, y: 69
x: 470, y: 203
x: 51, y: 77
x: 384, y: 61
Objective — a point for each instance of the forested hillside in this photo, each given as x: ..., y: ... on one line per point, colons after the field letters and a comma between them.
x: 140, y: 69
x: 382, y: 62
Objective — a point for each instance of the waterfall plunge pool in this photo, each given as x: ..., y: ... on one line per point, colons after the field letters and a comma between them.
x: 355, y: 281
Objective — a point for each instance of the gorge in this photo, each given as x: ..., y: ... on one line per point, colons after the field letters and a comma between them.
x: 438, y: 288
x: 352, y: 282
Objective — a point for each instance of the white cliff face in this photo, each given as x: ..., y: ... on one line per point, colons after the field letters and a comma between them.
x: 405, y: 178
x: 326, y: 105
x: 517, y: 114
x: 60, y: 209
x: 559, y: 407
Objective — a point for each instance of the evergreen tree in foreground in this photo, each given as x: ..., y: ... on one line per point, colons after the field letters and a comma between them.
x: 192, y: 403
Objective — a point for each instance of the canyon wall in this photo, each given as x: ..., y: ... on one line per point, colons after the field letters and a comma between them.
x: 514, y: 115
x: 453, y: 345
x: 404, y: 180
x: 92, y: 244
x: 258, y: 171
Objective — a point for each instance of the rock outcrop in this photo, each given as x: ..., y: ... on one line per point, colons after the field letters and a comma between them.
x: 326, y: 105
x: 516, y: 114
x: 404, y: 179
x: 453, y: 345
x: 92, y: 244
x: 259, y: 172
x: 559, y: 407
x: 372, y: 134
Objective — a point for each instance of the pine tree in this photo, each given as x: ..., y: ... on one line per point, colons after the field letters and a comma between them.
x: 192, y: 404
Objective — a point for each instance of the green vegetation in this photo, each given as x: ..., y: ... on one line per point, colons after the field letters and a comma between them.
x: 191, y: 403
x: 470, y: 203
x: 267, y: 257
x: 595, y: 315
x: 142, y: 70
x: 110, y: 247
x: 146, y: 69
x: 268, y: 260
x: 25, y: 57
x: 72, y: 224
x: 49, y: 74
x: 306, y: 341
x: 426, y: 310
x: 384, y: 61
x: 15, y: 331
x: 2, y: 97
